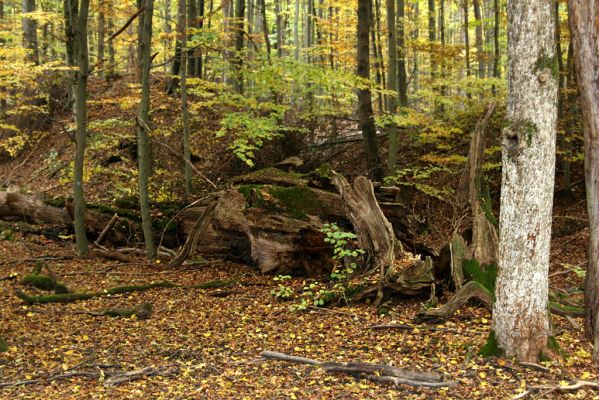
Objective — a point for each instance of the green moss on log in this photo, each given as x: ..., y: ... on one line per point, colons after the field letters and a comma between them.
x: 54, y: 298
x: 271, y: 175
x: 486, y: 275
x: 297, y: 201
x: 215, y: 284
x: 44, y: 282
x: 138, y: 288
x: 572, y: 311
x: 491, y: 347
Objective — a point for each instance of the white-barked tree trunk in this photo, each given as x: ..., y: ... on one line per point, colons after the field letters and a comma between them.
x: 520, y: 319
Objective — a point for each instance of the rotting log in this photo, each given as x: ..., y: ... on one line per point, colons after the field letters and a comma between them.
x: 30, y: 208
x: 471, y: 290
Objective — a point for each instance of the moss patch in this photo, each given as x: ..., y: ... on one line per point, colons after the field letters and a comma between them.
x: 491, y: 347
x: 544, y: 61
x: 297, y: 201
x: 486, y: 275
x: 3, y: 345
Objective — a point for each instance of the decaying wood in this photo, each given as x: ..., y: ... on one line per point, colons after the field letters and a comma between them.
x: 138, y: 374
x: 485, y: 242
x: 374, y: 372
x: 471, y: 290
x: 107, y: 229
x: 29, y: 208
x: 457, y: 248
x: 192, y: 240
x: 112, y: 255
x: 546, y: 389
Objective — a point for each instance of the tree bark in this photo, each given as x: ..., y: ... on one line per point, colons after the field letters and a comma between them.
x: 365, y: 113
x: 101, y: 36
x: 81, y: 134
x: 520, y: 312
x: 143, y: 146
x: 392, y: 85
x: 583, y: 17
x: 402, y: 78
x: 466, y: 37
x: 30, y: 32
x: 238, y: 57
x: 479, y: 39
x: 182, y: 20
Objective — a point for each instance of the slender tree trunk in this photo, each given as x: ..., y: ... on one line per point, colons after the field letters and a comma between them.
x: 402, y: 78
x: 415, y: 35
x: 192, y: 18
x: 432, y: 34
x: 30, y: 32
x: 583, y: 17
x: 182, y: 21
x: 238, y: 58
x: 520, y: 318
x: 497, y: 54
x: 140, y: 34
x: 265, y: 32
x: 101, y: 36
x: 377, y: 60
x: 167, y: 30
x: 479, y: 39
x: 280, y: 28
x: 143, y: 145
x: 76, y: 29
x: 296, y: 42
x: 466, y: 37
x: 111, y: 52
x: 199, y: 64
x: 392, y: 84
x: 365, y: 113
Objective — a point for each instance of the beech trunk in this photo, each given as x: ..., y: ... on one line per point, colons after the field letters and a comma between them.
x: 528, y: 152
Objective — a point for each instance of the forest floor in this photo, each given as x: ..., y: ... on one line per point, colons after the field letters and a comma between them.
x: 209, y: 346
x: 206, y: 343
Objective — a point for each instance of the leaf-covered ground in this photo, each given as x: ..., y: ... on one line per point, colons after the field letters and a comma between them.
x: 211, y: 345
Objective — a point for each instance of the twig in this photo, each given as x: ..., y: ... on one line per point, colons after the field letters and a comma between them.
x: 534, y: 366
x: 107, y: 229
x: 137, y: 374
x: 374, y: 372
x: 122, y: 28
x: 421, y: 327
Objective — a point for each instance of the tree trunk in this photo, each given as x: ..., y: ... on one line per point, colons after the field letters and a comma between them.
x: 392, y: 85
x: 402, y: 78
x: 143, y: 129
x: 466, y: 37
x: 265, y: 32
x: 81, y: 134
x: 167, y: 30
x: 296, y: 42
x: 496, y: 51
x: 365, y: 113
x: 110, y: 27
x: 140, y: 38
x: 520, y: 311
x: 182, y: 21
x: 191, y: 20
x: 280, y: 33
x: 101, y: 36
x: 583, y: 17
x: 479, y: 39
x: 30, y: 32
x: 238, y: 58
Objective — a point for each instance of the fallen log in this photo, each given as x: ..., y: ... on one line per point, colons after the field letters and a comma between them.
x: 30, y: 208
x: 471, y: 290
x: 373, y: 372
x: 73, y: 297
x: 141, y: 312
